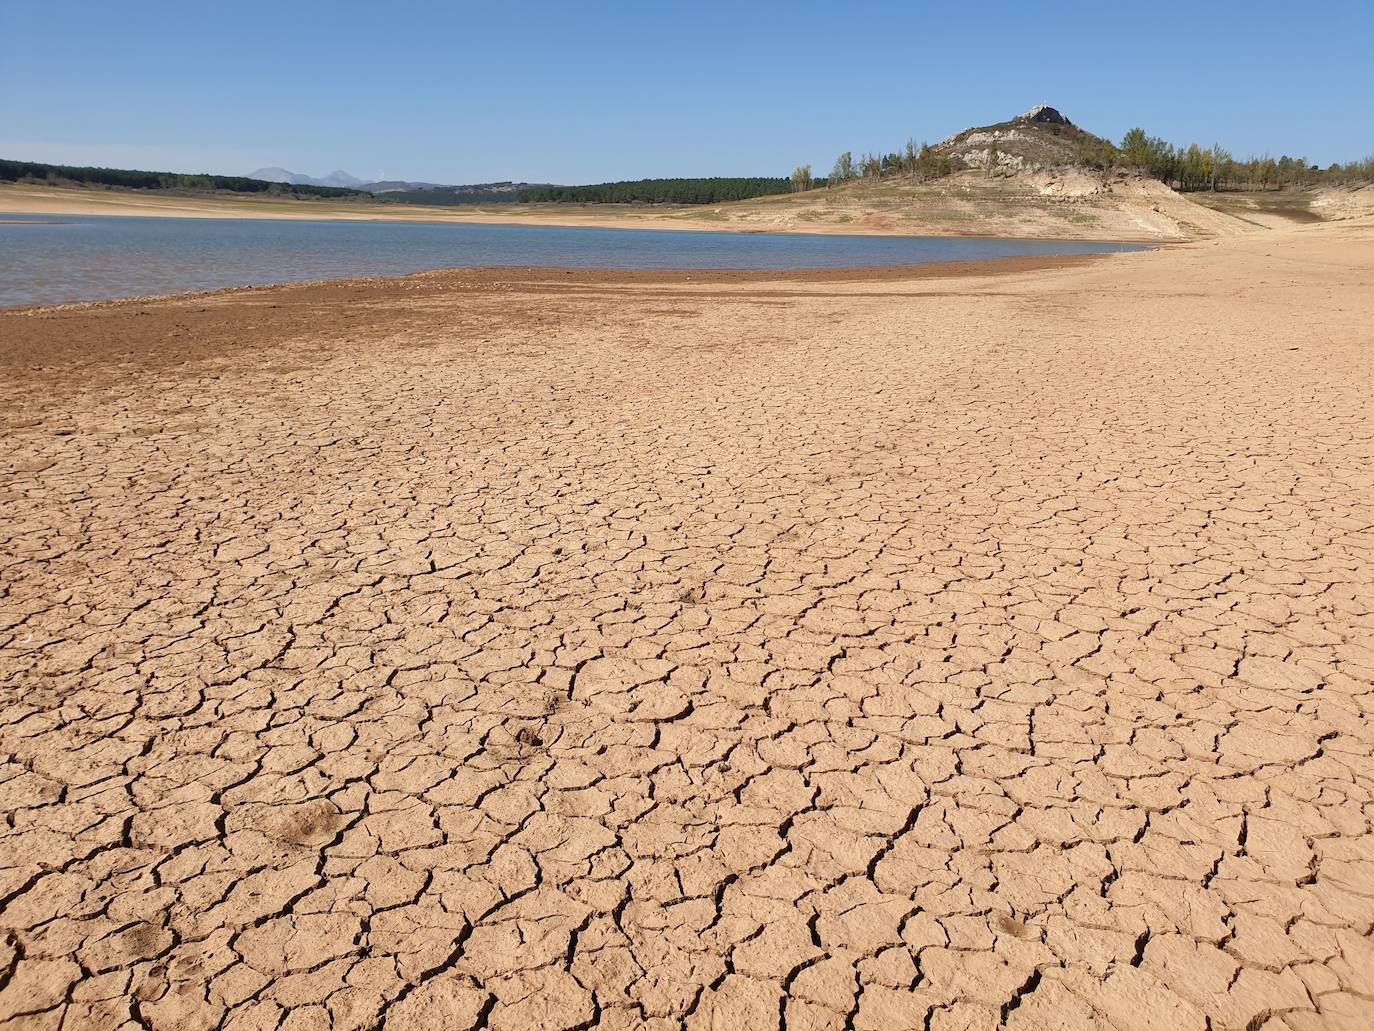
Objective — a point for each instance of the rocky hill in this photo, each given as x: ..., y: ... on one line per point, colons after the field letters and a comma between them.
x: 1039, y: 189
x: 1042, y: 138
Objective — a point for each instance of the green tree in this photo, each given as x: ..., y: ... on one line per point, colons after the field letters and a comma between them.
x: 1149, y: 154
x: 1099, y: 154
x: 1268, y: 172
x: 1223, y: 165
x: 1135, y: 148
x: 927, y: 162
x: 844, y: 168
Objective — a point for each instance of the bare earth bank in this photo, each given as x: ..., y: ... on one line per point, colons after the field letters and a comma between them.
x: 1065, y: 205
x: 567, y: 650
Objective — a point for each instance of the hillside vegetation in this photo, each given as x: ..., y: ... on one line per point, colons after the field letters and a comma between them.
x: 1039, y: 174
x: 1043, y: 139
x: 133, y: 179
x: 452, y: 196
x: 1035, y: 176
x: 657, y: 191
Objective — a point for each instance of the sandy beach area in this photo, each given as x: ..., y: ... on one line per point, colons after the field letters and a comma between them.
x: 1069, y: 207
x: 965, y: 648
x: 43, y: 200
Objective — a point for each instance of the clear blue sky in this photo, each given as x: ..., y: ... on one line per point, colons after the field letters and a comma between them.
x: 581, y: 92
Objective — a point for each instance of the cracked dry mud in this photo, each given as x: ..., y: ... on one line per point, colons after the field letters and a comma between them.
x: 542, y: 650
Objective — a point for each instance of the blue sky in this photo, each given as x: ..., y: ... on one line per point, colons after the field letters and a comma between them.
x: 579, y: 92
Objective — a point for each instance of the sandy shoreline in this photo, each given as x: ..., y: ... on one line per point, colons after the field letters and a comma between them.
x: 551, y: 275
x: 532, y: 648
x: 766, y: 215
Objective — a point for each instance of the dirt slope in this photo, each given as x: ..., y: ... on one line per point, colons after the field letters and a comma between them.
x: 1059, y: 204
x: 1279, y: 209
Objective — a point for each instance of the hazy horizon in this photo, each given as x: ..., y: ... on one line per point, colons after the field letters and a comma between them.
x: 624, y: 92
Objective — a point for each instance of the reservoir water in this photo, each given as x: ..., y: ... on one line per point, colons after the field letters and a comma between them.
x: 53, y: 260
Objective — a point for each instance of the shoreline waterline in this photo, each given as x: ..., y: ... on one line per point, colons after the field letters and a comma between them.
x: 102, y: 258
x: 78, y: 203
x: 558, y: 276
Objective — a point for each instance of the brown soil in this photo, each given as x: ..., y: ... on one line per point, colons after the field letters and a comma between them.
x: 1278, y: 209
x: 543, y: 650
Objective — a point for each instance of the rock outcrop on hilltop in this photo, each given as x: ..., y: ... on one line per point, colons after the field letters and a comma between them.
x: 1041, y: 138
x: 1035, y: 175
x: 1043, y: 114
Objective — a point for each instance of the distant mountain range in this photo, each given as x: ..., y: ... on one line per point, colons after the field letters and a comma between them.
x: 281, y: 175
x: 341, y: 178
x: 435, y: 193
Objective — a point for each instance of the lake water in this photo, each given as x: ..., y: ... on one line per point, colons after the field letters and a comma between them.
x: 88, y: 258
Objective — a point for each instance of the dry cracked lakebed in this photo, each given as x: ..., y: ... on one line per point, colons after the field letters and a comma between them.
x: 540, y: 650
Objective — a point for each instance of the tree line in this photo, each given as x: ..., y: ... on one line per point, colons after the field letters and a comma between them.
x: 657, y: 191
x: 448, y: 196
x: 921, y: 162
x: 1182, y: 168
x: 130, y: 179
x: 1215, y: 168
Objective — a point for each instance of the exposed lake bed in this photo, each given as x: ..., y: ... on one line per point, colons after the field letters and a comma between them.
x: 607, y: 606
